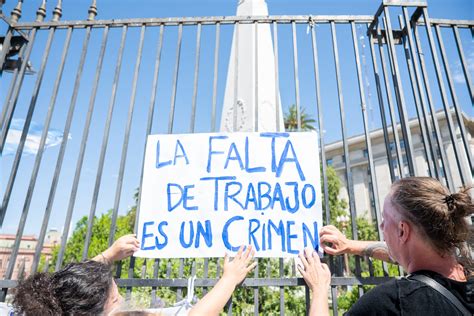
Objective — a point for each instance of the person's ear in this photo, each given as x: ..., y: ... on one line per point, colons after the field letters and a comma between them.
x: 404, y: 230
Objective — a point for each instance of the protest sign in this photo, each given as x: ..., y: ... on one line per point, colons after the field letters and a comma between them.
x: 207, y: 194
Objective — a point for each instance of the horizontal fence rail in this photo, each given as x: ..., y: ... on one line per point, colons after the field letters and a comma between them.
x: 391, y: 95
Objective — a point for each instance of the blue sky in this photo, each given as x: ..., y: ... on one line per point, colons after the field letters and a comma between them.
x: 77, y: 9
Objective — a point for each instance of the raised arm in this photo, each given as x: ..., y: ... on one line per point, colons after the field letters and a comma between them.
x: 235, y: 272
x: 122, y: 248
x: 334, y: 242
x: 318, y: 279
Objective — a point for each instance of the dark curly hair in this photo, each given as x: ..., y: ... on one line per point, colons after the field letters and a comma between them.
x: 78, y: 289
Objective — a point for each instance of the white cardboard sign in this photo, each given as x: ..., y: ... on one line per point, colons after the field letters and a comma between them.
x: 207, y: 194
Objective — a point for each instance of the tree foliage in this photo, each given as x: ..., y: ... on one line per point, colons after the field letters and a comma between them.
x: 291, y: 120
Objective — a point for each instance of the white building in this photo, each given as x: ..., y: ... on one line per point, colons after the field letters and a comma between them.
x: 359, y: 160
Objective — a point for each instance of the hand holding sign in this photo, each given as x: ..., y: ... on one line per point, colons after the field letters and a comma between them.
x: 236, y: 270
x: 122, y: 248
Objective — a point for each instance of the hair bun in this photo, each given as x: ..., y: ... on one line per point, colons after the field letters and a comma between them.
x: 460, y: 204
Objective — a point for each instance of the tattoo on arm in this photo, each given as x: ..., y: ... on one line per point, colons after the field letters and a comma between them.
x: 378, y: 250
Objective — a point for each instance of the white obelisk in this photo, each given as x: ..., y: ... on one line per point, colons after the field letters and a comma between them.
x: 251, y: 100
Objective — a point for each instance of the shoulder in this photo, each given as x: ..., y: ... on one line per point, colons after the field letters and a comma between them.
x: 463, y: 291
x: 383, y: 299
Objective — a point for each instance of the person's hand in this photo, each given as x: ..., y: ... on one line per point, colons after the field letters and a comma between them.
x: 122, y: 248
x: 339, y: 243
x: 316, y: 274
x: 236, y: 270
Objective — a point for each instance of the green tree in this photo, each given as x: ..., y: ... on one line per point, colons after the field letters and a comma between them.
x: 291, y: 120
x: 337, y: 206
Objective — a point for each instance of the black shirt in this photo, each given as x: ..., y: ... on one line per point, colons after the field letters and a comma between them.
x: 411, y: 297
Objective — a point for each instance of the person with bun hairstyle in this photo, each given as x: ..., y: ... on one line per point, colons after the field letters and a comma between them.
x: 425, y: 228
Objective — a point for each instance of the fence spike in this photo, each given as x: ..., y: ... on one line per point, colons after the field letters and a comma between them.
x: 16, y: 13
x: 41, y: 12
x: 92, y: 10
x: 57, y: 12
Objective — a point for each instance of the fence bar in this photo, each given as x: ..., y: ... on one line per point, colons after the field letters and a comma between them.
x: 454, y: 98
x: 214, y: 84
x: 307, y: 299
x: 422, y: 121
x: 248, y: 282
x: 287, y: 19
x: 393, y: 119
x: 348, y: 172
x: 229, y: 307
x: 108, y: 121
x: 452, y: 132
x: 123, y: 158
x: 151, y: 108
x: 449, y: 22
x: 196, y: 72
x: 434, y: 119
x: 206, y: 273
x: 87, y: 126
x: 282, y: 289
x: 180, y: 275
x: 10, y: 91
x: 156, y: 264
x: 297, y: 82
x: 334, y: 300
x: 236, y: 78
x: 218, y: 268
x: 5, y: 50
x: 255, y: 291
x: 319, y: 111
x: 150, y: 115
x: 256, y: 76
x: 11, y: 104
x: 319, y: 114
x: 465, y: 70
x: 67, y: 221
x: 400, y: 96
x: 277, y: 77
x: 44, y: 226
x: 368, y: 141
x: 171, y: 120
x: 156, y: 267
x: 16, y: 163
x: 419, y: 93
x: 381, y: 107
x: 118, y: 189
x: 175, y: 79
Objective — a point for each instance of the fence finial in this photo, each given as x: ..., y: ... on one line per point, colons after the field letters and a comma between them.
x: 92, y: 10
x: 57, y: 12
x: 41, y: 12
x: 16, y: 13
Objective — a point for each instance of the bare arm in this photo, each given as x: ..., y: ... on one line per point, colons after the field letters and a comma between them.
x: 122, y: 248
x: 335, y: 243
x: 235, y: 272
x: 318, y: 278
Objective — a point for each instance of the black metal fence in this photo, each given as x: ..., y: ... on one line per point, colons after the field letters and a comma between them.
x: 60, y: 70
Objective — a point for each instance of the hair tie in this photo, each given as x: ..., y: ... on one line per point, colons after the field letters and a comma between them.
x: 449, y: 200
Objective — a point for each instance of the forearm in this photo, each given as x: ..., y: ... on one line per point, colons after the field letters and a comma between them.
x: 319, y: 304
x: 374, y: 249
x: 102, y: 258
x: 214, y: 301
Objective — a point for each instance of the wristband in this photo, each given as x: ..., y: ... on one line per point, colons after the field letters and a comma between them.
x: 106, y: 261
